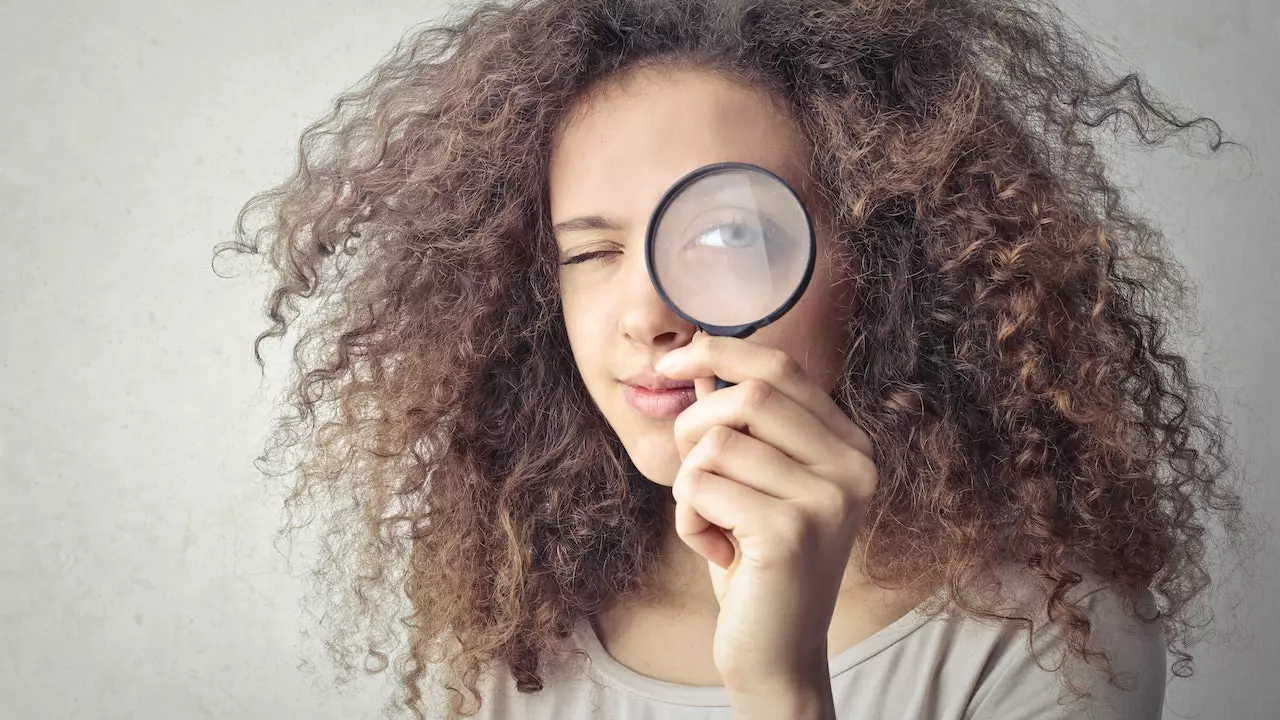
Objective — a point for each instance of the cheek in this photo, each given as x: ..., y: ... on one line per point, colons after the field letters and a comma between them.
x: 572, y: 318
x: 813, y: 332
x: 584, y: 323
x: 578, y: 340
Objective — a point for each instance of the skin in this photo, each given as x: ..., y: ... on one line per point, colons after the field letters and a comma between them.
x: 627, y: 142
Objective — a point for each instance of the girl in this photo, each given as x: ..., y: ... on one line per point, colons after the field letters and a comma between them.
x: 964, y: 477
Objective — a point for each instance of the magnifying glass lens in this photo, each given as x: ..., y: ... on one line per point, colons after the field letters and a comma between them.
x: 731, y: 246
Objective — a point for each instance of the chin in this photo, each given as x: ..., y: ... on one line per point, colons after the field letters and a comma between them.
x: 655, y: 458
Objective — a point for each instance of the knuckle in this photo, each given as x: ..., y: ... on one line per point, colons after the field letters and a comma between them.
x: 719, y: 438
x: 865, y: 473
x: 832, y: 501
x: 836, y: 506
x: 756, y: 394
x: 783, y: 368
x: 684, y: 486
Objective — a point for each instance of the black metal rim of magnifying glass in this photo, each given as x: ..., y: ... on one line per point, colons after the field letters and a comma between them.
x: 736, y: 331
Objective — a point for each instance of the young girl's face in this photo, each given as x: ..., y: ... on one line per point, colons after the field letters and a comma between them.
x: 625, y: 145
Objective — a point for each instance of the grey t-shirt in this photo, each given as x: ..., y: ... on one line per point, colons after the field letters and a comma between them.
x: 928, y: 665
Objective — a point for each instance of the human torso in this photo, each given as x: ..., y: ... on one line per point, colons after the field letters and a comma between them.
x: 925, y: 665
x: 674, y: 644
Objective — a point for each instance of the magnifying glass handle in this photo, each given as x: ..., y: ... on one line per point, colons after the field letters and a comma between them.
x: 722, y: 384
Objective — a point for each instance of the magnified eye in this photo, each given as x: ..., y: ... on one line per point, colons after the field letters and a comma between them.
x: 732, y: 235
x: 735, y: 232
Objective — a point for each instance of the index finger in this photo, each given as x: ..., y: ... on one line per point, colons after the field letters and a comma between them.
x: 737, y: 360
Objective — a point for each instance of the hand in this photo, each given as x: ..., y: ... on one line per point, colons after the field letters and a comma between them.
x: 773, y: 484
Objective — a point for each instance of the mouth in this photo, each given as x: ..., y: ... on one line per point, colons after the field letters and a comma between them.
x: 658, y: 397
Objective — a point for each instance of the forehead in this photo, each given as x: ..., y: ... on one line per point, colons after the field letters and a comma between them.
x: 629, y: 140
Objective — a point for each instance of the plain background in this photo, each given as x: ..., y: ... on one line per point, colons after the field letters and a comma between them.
x: 138, y: 575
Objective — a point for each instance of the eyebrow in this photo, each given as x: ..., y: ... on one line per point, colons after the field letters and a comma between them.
x: 587, y: 222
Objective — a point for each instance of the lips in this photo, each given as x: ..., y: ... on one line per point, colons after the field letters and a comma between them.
x: 659, y: 403
x: 650, y: 380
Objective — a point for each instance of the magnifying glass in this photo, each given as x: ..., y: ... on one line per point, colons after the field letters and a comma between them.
x: 730, y: 248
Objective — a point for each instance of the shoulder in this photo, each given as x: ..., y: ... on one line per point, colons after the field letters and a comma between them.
x: 1040, y: 678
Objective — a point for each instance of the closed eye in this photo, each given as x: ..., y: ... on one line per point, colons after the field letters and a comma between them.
x: 584, y: 257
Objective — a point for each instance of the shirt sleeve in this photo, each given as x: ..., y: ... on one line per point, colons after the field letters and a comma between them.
x: 1021, y: 689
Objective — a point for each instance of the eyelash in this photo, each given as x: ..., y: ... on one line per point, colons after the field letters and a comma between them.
x: 587, y: 256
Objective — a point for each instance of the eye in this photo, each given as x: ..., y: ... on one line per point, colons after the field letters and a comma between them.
x: 730, y: 235
x: 584, y: 257
x: 735, y: 232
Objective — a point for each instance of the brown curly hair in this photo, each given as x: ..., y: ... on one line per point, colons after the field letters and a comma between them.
x: 1010, y: 356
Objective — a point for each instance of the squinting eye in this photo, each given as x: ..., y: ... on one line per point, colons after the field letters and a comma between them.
x: 584, y: 257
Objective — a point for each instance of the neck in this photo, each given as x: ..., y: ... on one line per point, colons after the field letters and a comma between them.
x: 684, y: 581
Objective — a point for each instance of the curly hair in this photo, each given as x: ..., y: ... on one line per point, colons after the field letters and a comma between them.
x: 1010, y: 358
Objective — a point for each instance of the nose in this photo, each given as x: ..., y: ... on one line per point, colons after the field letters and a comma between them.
x: 646, y: 320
